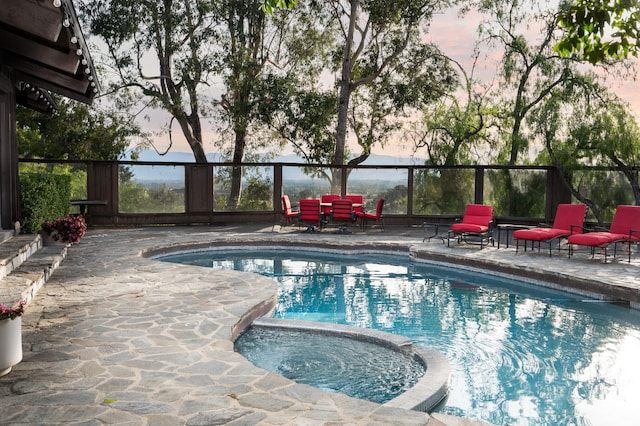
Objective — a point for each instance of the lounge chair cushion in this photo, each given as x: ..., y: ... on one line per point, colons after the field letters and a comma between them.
x: 596, y: 239
x: 476, y: 219
x: 540, y: 234
x: 469, y: 227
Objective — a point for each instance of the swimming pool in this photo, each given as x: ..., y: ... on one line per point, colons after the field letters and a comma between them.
x: 519, y: 354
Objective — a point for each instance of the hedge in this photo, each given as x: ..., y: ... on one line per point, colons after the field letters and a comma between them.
x: 45, y: 196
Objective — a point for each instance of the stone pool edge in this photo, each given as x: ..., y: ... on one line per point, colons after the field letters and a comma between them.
x: 425, y: 395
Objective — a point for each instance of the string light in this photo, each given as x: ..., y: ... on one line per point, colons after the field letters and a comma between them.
x: 57, y: 3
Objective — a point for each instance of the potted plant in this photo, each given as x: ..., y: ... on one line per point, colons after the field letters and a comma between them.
x: 10, y: 336
x: 67, y: 230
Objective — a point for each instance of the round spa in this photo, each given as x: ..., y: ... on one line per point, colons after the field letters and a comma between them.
x: 362, y: 363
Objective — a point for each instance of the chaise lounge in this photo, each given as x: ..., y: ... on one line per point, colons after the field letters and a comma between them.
x: 569, y: 220
x: 625, y: 228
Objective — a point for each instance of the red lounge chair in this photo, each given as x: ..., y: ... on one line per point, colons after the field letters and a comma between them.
x: 569, y: 220
x: 343, y: 214
x: 476, y: 222
x: 377, y: 216
x: 625, y: 228
x: 288, y: 214
x: 310, y: 214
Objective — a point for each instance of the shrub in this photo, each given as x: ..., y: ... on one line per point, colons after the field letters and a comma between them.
x: 44, y: 197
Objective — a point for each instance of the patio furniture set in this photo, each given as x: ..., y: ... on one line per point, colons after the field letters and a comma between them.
x: 478, y: 225
x: 332, y: 209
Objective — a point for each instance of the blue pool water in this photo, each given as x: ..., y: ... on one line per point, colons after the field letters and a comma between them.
x: 519, y: 354
x: 357, y: 368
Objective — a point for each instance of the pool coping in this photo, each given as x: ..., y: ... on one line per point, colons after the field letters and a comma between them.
x: 424, y: 395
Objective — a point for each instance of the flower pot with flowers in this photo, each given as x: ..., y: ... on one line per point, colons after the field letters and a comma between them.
x: 67, y: 230
x: 10, y: 336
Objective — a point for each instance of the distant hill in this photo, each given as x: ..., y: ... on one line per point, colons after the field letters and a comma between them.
x: 153, y: 174
x: 187, y: 157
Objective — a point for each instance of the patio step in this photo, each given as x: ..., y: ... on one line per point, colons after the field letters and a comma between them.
x: 25, y: 266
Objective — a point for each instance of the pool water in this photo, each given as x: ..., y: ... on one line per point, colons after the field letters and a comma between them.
x: 519, y: 354
x: 359, y: 369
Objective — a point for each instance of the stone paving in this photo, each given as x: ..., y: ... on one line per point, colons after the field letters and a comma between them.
x: 117, y: 338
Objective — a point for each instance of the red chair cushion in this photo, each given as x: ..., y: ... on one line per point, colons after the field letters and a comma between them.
x: 539, y: 234
x: 470, y: 227
x: 570, y: 214
x: 596, y: 239
x: 626, y: 218
x: 477, y: 214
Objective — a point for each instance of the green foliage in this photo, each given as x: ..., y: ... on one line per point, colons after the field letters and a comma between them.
x: 258, y: 195
x: 77, y: 175
x: 269, y: 5
x: 74, y: 132
x: 136, y: 198
x: 605, y: 189
x: 443, y: 191
x: 45, y: 197
x: 516, y: 193
x: 598, y: 29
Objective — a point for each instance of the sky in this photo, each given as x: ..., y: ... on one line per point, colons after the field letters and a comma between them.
x: 456, y: 37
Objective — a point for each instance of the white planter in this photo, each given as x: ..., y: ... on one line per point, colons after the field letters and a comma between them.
x: 10, y: 344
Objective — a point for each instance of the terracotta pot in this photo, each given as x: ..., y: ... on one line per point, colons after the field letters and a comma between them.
x: 10, y: 344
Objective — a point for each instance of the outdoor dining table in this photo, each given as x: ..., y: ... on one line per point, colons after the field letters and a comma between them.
x: 353, y: 204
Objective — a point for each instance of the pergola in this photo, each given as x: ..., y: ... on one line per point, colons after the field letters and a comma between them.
x: 42, y: 51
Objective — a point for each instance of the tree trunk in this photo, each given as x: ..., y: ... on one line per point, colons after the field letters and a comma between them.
x: 345, y: 88
x: 236, y: 171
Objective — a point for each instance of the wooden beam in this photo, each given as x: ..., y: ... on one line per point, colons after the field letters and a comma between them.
x: 86, y: 97
x: 77, y: 82
x: 68, y: 62
x: 32, y: 17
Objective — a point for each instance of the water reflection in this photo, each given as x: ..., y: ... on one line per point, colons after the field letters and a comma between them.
x: 519, y: 355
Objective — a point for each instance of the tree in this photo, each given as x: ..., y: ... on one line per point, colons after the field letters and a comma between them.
x: 452, y: 125
x: 158, y: 49
x: 75, y: 132
x: 530, y: 68
x: 269, y: 5
x: 173, y: 51
x: 383, y: 72
x: 598, y: 29
x: 381, y: 51
x: 584, y: 125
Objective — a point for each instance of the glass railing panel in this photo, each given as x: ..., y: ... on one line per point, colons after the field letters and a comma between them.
x: 516, y: 192
x: 606, y: 189
x: 244, y: 188
x: 151, y: 189
x: 309, y: 182
x: 373, y: 184
x: 442, y: 191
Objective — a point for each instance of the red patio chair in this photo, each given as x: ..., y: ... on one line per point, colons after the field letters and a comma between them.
x: 477, y: 222
x: 326, y: 201
x: 343, y: 214
x: 310, y: 214
x: 625, y: 228
x: 569, y: 220
x: 289, y: 216
x: 377, y: 216
x: 356, y: 199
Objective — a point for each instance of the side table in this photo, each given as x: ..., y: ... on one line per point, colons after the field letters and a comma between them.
x: 509, y: 227
x: 436, y: 227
